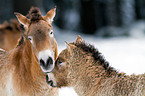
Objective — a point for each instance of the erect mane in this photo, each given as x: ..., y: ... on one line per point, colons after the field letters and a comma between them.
x: 34, y: 14
x: 95, y: 54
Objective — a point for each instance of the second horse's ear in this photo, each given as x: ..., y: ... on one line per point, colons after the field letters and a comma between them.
x: 50, y: 15
x: 70, y: 47
x: 79, y: 39
x: 22, y: 19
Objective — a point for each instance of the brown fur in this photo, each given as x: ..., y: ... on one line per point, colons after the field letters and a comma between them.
x: 34, y: 14
x: 9, y: 34
x: 82, y: 67
x: 36, y: 26
x: 20, y: 70
x: 21, y: 74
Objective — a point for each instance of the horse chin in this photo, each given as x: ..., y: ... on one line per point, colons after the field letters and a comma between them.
x: 50, y: 82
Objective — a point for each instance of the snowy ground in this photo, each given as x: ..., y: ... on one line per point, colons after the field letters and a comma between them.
x: 125, y: 54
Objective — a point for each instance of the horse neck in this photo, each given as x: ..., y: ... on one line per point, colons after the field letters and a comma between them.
x: 23, y: 55
x: 89, y: 75
x: 89, y: 78
x: 27, y: 70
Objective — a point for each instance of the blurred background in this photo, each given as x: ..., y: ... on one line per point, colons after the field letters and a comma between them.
x: 87, y: 16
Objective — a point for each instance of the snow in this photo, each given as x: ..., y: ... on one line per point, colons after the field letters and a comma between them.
x: 67, y: 92
x: 125, y: 53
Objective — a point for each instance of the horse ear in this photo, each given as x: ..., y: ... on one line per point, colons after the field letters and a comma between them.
x: 70, y: 47
x: 50, y: 15
x: 22, y: 19
x: 79, y: 39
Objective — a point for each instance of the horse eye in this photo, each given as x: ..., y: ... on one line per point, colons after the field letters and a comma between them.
x: 29, y: 38
x: 51, y: 32
x: 59, y: 62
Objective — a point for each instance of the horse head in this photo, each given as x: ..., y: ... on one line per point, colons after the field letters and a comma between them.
x: 40, y: 32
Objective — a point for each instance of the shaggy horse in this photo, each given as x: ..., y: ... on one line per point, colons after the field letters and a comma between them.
x: 20, y: 70
x: 9, y: 34
x: 82, y: 67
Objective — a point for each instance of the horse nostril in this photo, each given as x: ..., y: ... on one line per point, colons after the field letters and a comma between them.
x: 42, y: 63
x: 49, y: 61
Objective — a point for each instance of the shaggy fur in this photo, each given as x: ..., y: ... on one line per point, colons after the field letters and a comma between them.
x: 20, y: 71
x: 98, y: 57
x: 21, y: 74
x: 34, y: 14
x: 82, y: 67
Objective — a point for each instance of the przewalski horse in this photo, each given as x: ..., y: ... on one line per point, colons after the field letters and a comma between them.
x: 9, y: 34
x: 20, y: 71
x: 40, y: 32
x: 21, y: 74
x: 82, y: 67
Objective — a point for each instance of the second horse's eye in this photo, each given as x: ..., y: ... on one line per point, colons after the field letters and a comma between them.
x: 59, y: 62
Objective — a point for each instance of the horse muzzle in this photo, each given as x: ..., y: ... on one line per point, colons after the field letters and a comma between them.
x: 46, y: 60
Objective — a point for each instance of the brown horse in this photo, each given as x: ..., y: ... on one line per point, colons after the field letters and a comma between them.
x: 20, y: 71
x: 82, y: 67
x: 21, y: 74
x: 40, y: 32
x: 9, y: 34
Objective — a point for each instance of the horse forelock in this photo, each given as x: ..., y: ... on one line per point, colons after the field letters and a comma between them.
x: 34, y: 14
x: 98, y: 57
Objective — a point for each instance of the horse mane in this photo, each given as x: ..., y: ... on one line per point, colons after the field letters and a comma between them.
x: 98, y: 57
x: 34, y: 14
x: 21, y: 41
